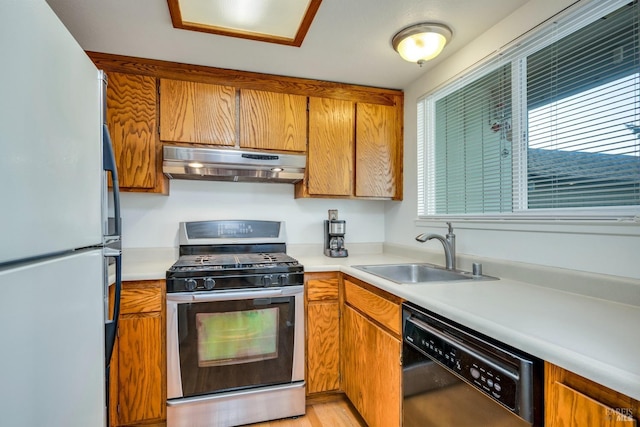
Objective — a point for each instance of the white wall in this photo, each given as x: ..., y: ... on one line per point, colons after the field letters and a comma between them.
x: 151, y: 220
x: 608, y: 250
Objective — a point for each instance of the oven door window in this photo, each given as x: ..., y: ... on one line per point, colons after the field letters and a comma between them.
x: 231, y: 345
x: 237, y: 337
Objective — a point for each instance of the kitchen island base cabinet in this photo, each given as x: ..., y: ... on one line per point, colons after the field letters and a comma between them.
x: 574, y: 401
x: 371, y: 356
x: 138, y: 367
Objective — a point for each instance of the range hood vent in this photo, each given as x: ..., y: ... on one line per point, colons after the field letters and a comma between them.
x: 216, y: 164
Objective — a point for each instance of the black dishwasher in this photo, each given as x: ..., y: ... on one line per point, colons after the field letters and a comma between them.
x: 453, y: 376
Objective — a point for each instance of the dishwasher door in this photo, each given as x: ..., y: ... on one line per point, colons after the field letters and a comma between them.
x: 456, y: 377
x: 434, y: 397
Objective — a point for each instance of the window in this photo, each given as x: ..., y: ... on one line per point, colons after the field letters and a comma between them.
x: 551, y: 127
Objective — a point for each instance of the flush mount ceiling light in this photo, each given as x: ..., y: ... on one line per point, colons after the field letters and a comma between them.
x: 274, y: 21
x: 421, y: 42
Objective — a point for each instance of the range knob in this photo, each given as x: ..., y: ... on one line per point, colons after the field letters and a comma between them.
x: 190, y: 284
x: 266, y: 280
x: 209, y: 283
x: 283, y: 279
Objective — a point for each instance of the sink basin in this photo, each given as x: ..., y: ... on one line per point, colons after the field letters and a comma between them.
x: 418, y: 273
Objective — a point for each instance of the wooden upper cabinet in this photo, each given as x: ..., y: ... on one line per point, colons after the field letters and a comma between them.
x: 331, y: 147
x: 273, y: 121
x: 377, y: 150
x: 131, y: 118
x: 197, y: 112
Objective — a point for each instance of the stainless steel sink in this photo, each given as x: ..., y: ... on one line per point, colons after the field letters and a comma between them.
x: 418, y: 273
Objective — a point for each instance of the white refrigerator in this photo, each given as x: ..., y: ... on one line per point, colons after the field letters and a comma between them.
x: 54, y: 239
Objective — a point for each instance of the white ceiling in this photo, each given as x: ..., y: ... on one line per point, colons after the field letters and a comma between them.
x: 349, y: 40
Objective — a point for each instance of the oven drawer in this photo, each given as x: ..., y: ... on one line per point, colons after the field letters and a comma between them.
x: 380, y: 309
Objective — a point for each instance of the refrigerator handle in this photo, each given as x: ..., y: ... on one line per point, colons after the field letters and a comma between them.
x: 109, y: 165
x: 111, y: 325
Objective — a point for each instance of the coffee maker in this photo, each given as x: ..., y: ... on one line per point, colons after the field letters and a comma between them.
x: 334, y: 230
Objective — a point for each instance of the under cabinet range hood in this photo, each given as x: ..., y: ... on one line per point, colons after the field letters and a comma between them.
x: 215, y: 164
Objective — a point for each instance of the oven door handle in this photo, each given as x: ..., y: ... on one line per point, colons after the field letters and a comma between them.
x: 223, y: 296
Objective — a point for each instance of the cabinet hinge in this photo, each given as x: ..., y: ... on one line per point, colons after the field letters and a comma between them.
x: 400, y: 360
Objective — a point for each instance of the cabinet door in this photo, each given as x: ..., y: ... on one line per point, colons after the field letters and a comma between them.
x: 574, y: 401
x: 323, y: 349
x: 372, y: 371
x: 377, y: 150
x: 197, y: 112
x: 323, y: 332
x: 131, y: 118
x: 141, y: 391
x: 331, y: 147
x: 273, y: 121
x: 574, y: 409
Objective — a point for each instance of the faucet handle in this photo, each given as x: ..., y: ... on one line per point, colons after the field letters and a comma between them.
x: 450, y: 227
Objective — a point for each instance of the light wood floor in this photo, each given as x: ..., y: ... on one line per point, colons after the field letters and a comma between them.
x: 337, y: 412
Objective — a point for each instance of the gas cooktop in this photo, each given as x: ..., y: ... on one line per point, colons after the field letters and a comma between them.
x: 232, y: 254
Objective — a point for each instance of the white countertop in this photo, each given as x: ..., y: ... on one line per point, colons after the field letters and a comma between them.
x: 591, y: 336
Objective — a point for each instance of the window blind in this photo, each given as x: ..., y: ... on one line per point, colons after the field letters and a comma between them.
x: 553, y: 127
x: 472, y: 148
x: 582, y: 109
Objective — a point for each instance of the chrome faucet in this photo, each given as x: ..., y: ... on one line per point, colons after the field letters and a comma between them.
x: 448, y: 243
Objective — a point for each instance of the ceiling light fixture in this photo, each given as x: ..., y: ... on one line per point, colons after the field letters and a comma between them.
x: 274, y: 21
x: 421, y: 42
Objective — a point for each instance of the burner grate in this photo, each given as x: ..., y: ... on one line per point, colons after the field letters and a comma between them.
x: 233, y: 261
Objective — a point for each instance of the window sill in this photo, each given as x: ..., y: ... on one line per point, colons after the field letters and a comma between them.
x: 606, y: 226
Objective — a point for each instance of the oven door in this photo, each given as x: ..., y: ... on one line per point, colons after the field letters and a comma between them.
x: 233, y: 340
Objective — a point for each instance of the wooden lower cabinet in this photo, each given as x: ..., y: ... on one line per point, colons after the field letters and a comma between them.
x: 574, y: 401
x: 138, y: 368
x: 371, y: 364
x: 323, y: 332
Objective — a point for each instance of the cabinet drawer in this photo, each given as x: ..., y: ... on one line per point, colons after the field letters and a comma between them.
x: 141, y: 298
x: 322, y: 289
x: 380, y: 309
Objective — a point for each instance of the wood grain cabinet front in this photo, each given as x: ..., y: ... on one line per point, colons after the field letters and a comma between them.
x: 574, y: 401
x: 197, y: 112
x: 331, y: 147
x: 378, y: 151
x: 353, y: 135
x: 355, y: 150
x: 371, y: 353
x: 131, y: 119
x: 323, y: 332
x: 273, y: 121
x: 138, y: 368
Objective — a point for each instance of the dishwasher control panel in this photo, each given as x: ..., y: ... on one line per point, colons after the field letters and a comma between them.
x: 496, y: 372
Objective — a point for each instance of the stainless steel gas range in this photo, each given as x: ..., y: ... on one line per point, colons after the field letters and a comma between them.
x: 235, y: 326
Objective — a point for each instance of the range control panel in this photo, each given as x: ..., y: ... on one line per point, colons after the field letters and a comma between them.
x: 487, y: 375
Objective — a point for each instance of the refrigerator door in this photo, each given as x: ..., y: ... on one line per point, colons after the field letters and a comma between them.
x: 52, y: 335
x: 50, y: 130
